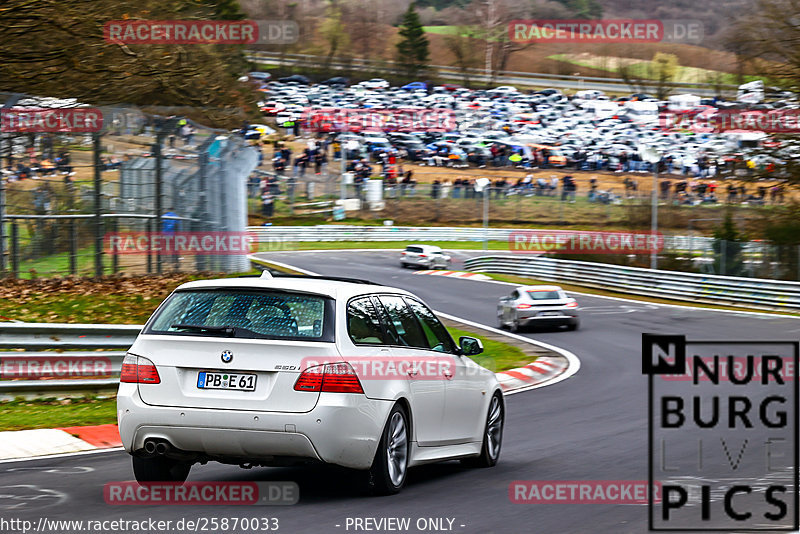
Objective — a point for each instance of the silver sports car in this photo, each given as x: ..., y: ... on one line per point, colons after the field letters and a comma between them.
x: 529, y: 305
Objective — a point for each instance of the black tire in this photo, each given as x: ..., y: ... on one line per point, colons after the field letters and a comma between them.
x: 160, y: 469
x: 515, y: 327
x: 492, y: 435
x: 574, y: 325
x: 389, y: 470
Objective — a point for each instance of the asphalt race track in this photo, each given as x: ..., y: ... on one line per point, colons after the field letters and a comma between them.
x: 592, y: 426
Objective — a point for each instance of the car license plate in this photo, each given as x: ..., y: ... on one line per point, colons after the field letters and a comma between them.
x: 234, y: 381
x: 549, y: 313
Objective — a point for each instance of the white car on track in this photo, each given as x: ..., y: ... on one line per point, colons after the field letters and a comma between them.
x: 427, y: 256
x: 277, y: 371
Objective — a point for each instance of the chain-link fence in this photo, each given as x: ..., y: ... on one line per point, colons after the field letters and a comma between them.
x: 136, y: 194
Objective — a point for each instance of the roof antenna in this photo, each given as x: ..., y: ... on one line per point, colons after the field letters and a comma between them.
x: 266, y: 275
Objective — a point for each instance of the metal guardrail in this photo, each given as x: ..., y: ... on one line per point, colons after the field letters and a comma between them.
x: 711, y: 289
x: 68, y: 343
x: 446, y: 70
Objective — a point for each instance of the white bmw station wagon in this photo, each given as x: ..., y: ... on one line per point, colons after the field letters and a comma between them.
x: 271, y: 371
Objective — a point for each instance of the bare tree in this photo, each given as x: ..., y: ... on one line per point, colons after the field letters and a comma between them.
x: 58, y: 49
x: 333, y: 31
x: 493, y: 18
x: 463, y: 45
x: 769, y: 38
x: 361, y: 21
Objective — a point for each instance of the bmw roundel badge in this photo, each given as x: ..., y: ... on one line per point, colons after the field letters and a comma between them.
x: 227, y: 356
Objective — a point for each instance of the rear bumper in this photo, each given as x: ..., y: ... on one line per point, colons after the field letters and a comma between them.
x: 566, y: 317
x: 419, y: 262
x: 342, y: 429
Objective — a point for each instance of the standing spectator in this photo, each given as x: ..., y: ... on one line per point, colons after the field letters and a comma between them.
x: 568, y: 188
x: 435, y: 189
x: 553, y: 186
x: 541, y: 186
x: 319, y: 160
x: 732, y: 191
x: 624, y: 163
x: 665, y: 185
x: 446, y: 186
x: 267, y: 203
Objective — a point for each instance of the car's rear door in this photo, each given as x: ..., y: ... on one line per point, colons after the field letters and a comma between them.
x: 425, y: 376
x: 465, y: 385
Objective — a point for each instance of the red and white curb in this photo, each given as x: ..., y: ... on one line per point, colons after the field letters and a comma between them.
x: 457, y: 274
x: 545, y: 371
x: 542, y: 370
x: 18, y: 444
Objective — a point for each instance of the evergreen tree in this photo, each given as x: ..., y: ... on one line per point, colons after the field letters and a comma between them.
x: 728, y: 247
x: 412, y: 50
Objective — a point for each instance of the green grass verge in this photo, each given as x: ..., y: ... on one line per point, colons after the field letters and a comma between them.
x: 24, y: 415
x: 59, y: 308
x: 497, y: 356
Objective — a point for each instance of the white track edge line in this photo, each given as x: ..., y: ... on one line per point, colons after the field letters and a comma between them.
x: 573, y: 362
x: 61, y: 455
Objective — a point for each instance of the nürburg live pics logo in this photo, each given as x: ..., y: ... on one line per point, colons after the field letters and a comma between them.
x: 722, y: 434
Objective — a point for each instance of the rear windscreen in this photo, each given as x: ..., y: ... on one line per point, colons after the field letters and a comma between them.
x: 544, y: 295
x: 414, y: 249
x: 245, y: 314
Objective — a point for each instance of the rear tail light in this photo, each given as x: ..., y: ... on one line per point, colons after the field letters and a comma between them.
x: 572, y: 304
x: 329, y: 378
x: 138, y: 370
x: 524, y: 306
x: 423, y: 255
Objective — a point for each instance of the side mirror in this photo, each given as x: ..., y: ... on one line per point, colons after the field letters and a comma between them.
x: 470, y: 346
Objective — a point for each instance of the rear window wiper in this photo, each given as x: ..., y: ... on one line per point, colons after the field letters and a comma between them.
x: 228, y: 330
